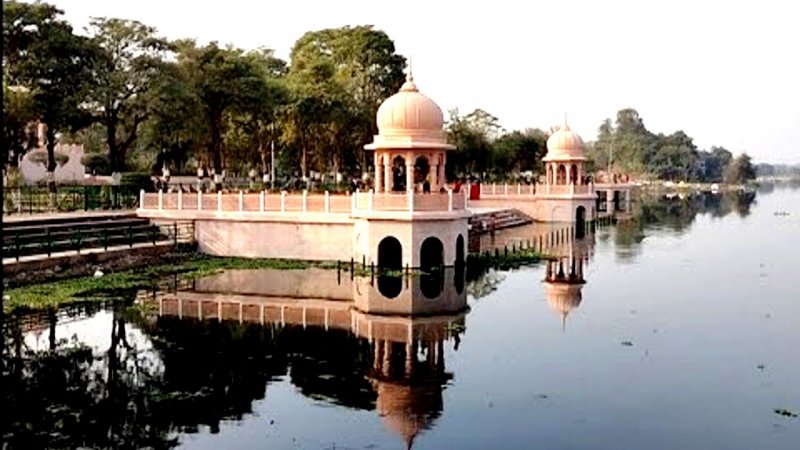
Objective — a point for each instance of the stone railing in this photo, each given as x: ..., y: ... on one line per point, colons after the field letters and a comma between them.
x: 507, y: 189
x: 370, y: 201
x: 566, y: 189
x: 305, y: 202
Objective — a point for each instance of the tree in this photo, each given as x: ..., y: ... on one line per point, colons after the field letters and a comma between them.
x: 341, y: 75
x: 56, y: 65
x: 221, y: 79
x: 18, y: 116
x: 131, y: 58
x: 740, y: 170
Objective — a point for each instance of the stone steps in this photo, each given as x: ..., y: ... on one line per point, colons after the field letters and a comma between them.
x: 507, y: 218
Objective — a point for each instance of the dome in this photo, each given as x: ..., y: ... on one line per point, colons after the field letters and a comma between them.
x: 565, y: 144
x: 409, y: 119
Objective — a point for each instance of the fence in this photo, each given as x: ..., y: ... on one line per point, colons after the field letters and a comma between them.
x: 43, y: 241
x: 34, y: 199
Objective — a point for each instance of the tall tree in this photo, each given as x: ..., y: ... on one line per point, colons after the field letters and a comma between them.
x: 55, y: 64
x: 221, y: 79
x: 131, y: 57
x: 346, y: 73
x: 18, y: 117
x: 740, y: 170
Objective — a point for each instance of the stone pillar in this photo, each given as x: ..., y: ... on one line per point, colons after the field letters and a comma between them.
x: 435, y: 178
x: 409, y: 177
x: 378, y: 181
x: 388, y: 179
x: 627, y: 200
x: 387, y: 358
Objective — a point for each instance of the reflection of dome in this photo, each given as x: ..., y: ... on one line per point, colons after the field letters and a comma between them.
x: 565, y: 144
x: 563, y: 297
x: 409, y: 119
x: 408, y: 410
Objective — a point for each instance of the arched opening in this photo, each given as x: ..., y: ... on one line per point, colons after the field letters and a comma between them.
x: 422, y: 168
x: 580, y: 222
x: 460, y: 250
x: 431, y: 284
x: 399, y: 174
x: 573, y: 174
x: 390, y: 254
x: 561, y: 175
x: 431, y: 255
x: 390, y: 286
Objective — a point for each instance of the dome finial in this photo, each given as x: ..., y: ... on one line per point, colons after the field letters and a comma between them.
x: 566, y: 125
x: 409, y: 85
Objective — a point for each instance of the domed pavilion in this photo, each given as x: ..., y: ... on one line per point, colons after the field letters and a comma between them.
x: 568, y: 194
x: 411, y: 218
x: 411, y: 145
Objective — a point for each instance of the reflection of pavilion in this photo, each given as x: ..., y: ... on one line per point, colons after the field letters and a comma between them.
x: 564, y: 275
x: 406, y: 329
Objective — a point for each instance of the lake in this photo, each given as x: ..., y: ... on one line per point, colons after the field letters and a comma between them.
x: 678, y: 329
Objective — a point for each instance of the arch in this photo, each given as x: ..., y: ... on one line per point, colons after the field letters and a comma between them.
x: 422, y: 167
x: 431, y: 284
x: 390, y: 254
x: 460, y: 249
x: 431, y: 254
x: 561, y: 174
x: 390, y: 286
x: 573, y: 174
x: 398, y: 174
x: 580, y: 222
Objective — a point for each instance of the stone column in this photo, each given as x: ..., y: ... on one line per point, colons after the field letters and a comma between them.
x: 409, y: 177
x: 388, y: 178
x: 377, y: 173
x: 435, y: 178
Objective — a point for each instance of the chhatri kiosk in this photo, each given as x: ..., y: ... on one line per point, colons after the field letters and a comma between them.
x: 568, y: 194
x: 413, y: 220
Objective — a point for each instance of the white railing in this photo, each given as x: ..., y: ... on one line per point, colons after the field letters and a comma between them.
x: 305, y: 202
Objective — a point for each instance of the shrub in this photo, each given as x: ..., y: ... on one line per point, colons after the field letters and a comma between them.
x: 137, y: 181
x: 96, y: 163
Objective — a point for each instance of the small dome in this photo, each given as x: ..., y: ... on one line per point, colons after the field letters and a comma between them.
x: 565, y: 144
x: 409, y: 119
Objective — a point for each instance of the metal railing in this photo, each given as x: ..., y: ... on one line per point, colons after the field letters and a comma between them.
x: 35, y: 199
x: 47, y: 242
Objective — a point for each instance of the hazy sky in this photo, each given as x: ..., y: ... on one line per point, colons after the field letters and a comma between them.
x: 726, y: 73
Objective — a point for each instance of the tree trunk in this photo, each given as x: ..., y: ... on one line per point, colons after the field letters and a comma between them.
x: 216, y: 154
x: 51, y: 159
x: 111, y: 141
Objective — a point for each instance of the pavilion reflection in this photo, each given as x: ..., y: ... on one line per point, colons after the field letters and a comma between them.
x: 395, y: 342
x: 564, y: 274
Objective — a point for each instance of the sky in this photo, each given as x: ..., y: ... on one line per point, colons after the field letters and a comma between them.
x: 726, y: 73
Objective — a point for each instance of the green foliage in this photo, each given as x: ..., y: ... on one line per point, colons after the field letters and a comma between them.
x: 137, y: 181
x: 96, y: 163
x: 18, y: 114
x: 56, y: 294
x: 41, y: 53
x: 129, y: 59
x: 483, y: 148
x: 338, y: 78
x: 740, y: 170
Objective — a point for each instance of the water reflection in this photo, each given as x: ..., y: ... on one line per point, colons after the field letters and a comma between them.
x: 205, y: 351
x: 564, y: 275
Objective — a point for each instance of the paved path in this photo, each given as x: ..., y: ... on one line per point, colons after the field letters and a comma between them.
x: 17, y: 218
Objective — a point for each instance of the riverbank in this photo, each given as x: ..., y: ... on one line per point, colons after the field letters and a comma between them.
x: 103, y: 286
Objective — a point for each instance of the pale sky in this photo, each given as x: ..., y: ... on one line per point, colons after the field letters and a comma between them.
x: 726, y: 73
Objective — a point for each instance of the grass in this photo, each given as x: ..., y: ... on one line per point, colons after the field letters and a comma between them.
x: 59, y: 293
x: 191, y: 265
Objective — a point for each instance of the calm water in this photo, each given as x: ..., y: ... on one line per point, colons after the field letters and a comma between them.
x: 685, y: 334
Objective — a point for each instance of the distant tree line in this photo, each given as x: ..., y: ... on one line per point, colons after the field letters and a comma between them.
x: 632, y: 148
x: 137, y: 101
